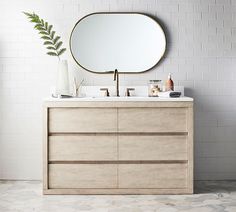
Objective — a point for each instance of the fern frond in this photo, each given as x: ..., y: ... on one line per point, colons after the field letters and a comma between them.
x: 52, y: 41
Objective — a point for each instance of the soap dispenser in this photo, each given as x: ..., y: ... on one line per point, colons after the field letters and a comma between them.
x: 169, y: 83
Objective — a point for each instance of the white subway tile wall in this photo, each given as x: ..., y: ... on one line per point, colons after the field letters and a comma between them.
x: 201, y: 54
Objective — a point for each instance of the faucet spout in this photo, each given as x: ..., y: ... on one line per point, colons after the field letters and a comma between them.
x: 115, y: 73
x: 116, y: 78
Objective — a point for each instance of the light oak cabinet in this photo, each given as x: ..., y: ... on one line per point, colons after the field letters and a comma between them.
x: 118, y: 147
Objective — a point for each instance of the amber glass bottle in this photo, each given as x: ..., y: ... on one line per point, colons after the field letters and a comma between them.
x: 169, y: 83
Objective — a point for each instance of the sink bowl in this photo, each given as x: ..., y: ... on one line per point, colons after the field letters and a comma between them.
x: 122, y: 98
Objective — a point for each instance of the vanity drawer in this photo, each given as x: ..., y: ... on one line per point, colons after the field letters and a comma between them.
x: 82, y: 147
x: 82, y: 120
x: 151, y: 147
x: 152, y: 119
x: 82, y: 176
x: 152, y: 176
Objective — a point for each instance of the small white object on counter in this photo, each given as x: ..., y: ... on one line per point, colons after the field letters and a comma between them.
x: 167, y: 94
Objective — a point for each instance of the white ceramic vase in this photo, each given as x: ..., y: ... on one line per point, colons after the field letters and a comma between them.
x: 63, y: 87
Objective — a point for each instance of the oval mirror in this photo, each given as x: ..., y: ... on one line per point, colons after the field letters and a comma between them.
x: 128, y: 42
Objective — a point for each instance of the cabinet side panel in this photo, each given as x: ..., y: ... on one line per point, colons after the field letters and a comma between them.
x: 190, y: 149
x: 45, y: 148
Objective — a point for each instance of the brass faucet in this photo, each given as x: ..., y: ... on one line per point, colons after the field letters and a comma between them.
x: 116, y: 78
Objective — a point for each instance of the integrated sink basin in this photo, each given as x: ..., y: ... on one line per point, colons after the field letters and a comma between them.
x: 134, y: 98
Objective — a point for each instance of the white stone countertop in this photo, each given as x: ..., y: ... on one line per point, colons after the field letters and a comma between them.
x: 121, y: 99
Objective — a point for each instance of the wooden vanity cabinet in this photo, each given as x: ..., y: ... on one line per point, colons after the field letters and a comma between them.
x: 118, y: 147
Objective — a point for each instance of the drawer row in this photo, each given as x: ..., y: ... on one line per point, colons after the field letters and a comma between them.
x: 121, y: 147
x: 76, y: 120
x: 152, y: 176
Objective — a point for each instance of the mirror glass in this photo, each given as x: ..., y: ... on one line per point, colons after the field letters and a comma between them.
x: 128, y: 42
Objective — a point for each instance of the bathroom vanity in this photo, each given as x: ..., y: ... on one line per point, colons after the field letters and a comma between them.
x: 118, y: 145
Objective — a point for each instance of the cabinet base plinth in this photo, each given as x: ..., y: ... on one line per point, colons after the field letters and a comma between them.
x: 125, y: 191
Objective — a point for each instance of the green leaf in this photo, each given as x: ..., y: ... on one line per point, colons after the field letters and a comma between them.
x: 52, y: 53
x: 38, y: 25
x: 36, y: 16
x: 46, y: 38
x: 46, y: 25
x: 52, y: 34
x: 43, y: 33
x: 48, y: 43
x: 56, y: 39
x: 34, y: 20
x: 61, y: 51
x: 27, y: 14
x: 58, y: 45
x: 42, y: 21
x: 49, y: 29
x: 39, y: 28
x: 51, y: 47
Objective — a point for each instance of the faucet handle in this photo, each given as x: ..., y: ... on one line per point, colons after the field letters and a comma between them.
x: 106, y: 93
x: 127, y: 93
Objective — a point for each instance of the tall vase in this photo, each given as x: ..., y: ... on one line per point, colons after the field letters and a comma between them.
x: 63, y: 87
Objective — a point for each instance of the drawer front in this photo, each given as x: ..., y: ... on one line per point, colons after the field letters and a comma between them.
x: 152, y: 119
x: 152, y: 176
x: 83, y: 147
x: 82, y: 120
x: 141, y: 147
x: 82, y: 176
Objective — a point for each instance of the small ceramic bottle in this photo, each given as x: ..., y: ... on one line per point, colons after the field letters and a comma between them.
x: 169, y: 83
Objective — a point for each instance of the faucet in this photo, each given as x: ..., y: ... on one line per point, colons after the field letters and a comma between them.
x: 116, y: 78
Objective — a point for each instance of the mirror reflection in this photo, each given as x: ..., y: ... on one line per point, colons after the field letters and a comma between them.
x: 128, y: 42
